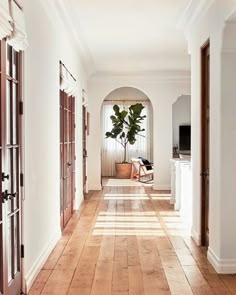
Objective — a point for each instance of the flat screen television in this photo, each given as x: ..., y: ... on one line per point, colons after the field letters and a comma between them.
x: 185, y: 138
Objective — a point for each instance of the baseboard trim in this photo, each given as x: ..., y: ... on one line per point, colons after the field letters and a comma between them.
x: 161, y: 187
x: 37, y: 266
x: 221, y: 266
x: 196, y: 237
x: 95, y: 187
x: 78, y: 203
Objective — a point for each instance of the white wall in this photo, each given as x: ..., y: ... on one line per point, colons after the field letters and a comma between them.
x: 181, y: 114
x: 162, y: 90
x: 48, y: 43
x: 210, y: 24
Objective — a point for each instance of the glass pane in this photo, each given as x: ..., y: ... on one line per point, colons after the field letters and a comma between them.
x: 15, y: 178
x: 14, y: 65
x: 68, y: 158
x: 8, y: 61
x: 7, y: 183
x: 61, y: 195
x: 73, y: 157
x: 61, y: 161
x: 61, y: 98
x: 68, y: 126
x: 8, y: 112
x: 16, y: 244
x: 69, y: 103
x: 14, y: 114
x: 73, y: 127
x: 65, y: 194
x: 68, y: 191
x: 73, y: 186
x: 65, y: 126
x: 73, y: 104
x: 65, y: 100
x: 61, y: 124
x: 65, y: 160
x: 9, y: 249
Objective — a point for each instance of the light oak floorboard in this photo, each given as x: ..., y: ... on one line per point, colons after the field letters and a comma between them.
x: 128, y: 240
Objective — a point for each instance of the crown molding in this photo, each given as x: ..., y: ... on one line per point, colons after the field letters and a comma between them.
x: 58, y: 14
x: 193, y: 12
x: 146, y: 77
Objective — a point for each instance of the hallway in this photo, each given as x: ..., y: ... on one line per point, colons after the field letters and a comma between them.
x: 128, y: 240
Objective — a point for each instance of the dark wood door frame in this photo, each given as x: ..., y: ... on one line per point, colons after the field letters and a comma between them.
x: 84, y: 155
x: 205, y: 141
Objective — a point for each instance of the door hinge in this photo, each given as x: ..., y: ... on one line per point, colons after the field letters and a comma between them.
x: 21, y: 179
x: 22, y: 251
x: 75, y: 157
x: 74, y: 125
x: 21, y: 108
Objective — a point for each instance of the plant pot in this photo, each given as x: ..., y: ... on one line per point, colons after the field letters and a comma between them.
x: 123, y: 170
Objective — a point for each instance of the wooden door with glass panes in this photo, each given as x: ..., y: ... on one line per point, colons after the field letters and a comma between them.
x: 10, y: 151
x: 67, y: 156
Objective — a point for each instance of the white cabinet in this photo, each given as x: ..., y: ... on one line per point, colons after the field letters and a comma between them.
x: 181, y: 186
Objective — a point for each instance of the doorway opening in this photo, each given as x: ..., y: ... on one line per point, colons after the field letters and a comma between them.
x: 181, y: 171
x: 181, y: 126
x: 205, y: 142
x: 112, y: 151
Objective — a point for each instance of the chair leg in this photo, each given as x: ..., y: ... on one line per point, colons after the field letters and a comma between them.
x: 146, y: 180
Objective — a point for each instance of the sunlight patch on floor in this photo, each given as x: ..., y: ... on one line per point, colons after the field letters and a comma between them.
x: 126, y: 225
x: 129, y: 232
x: 127, y: 213
x: 123, y: 182
x: 126, y: 198
x: 127, y: 218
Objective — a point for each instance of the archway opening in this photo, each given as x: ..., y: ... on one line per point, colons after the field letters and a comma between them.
x: 181, y: 173
x: 112, y: 151
x: 181, y: 125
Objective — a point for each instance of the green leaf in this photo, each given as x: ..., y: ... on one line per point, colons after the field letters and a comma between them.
x: 123, y: 114
x: 116, y: 109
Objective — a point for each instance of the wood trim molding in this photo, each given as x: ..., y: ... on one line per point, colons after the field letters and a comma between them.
x: 144, y: 77
x: 196, y: 237
x: 58, y: 15
x: 193, y: 12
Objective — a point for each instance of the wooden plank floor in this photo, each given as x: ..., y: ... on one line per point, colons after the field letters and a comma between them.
x: 128, y: 240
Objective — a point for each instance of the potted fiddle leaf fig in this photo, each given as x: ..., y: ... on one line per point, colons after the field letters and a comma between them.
x: 126, y: 128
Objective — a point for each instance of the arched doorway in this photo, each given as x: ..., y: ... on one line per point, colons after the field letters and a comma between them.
x: 181, y: 116
x: 111, y: 150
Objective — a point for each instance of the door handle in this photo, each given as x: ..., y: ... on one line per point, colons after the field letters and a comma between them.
x: 5, y: 176
x: 69, y: 164
x: 205, y: 173
x: 7, y: 196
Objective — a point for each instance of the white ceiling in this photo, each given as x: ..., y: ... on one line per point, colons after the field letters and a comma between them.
x: 131, y: 35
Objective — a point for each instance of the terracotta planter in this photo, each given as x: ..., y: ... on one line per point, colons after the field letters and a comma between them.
x: 123, y: 170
